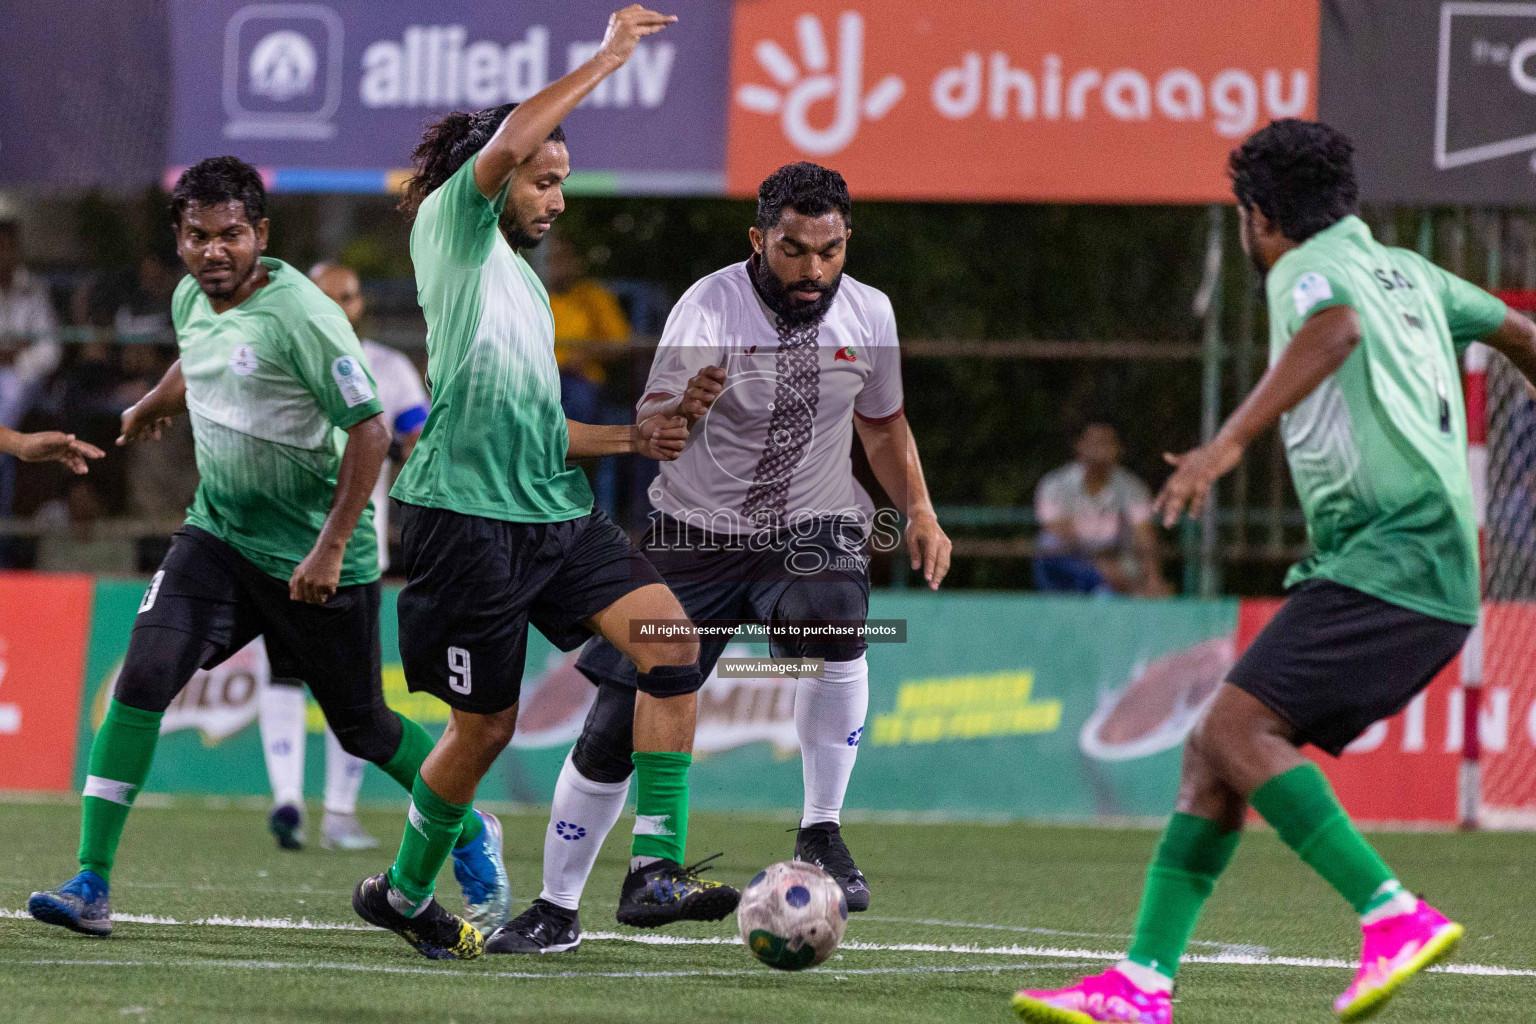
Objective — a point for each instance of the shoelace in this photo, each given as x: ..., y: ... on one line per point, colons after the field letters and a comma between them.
x: 698, y: 867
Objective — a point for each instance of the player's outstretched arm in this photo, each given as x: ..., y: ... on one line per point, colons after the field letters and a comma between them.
x: 892, y: 453
x: 49, y: 446
x: 526, y: 128
x: 1318, y: 348
x: 1516, y: 341
x: 660, y: 437
x: 145, y: 419
x: 316, y: 578
x: 703, y: 388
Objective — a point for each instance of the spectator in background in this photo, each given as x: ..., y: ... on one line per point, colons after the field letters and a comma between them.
x: 29, y: 332
x: 144, y: 312
x: 590, y: 329
x: 1096, y: 532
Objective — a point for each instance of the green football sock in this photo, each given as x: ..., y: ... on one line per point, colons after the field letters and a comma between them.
x: 404, y: 766
x: 1301, y: 806
x: 1193, y: 854
x: 661, y: 805
x: 434, y: 824
x: 120, y: 758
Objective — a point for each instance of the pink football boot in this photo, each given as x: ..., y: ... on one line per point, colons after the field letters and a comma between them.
x: 1395, y: 950
x: 1108, y: 998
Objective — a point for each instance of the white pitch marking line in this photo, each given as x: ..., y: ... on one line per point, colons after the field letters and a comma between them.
x: 275, y: 965
x: 1049, y: 952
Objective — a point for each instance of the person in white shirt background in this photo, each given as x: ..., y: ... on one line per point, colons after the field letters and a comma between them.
x: 29, y: 342
x: 282, y: 704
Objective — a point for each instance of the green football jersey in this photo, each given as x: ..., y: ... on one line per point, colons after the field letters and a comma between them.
x: 1378, y: 452
x: 495, y: 440
x: 272, y: 384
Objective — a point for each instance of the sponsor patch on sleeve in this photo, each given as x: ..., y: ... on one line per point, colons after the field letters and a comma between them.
x: 1311, y: 288
x: 352, y: 380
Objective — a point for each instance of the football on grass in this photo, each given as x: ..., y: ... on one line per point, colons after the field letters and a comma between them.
x: 792, y: 915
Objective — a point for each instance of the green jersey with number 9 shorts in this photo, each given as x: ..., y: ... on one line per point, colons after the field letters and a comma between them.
x: 497, y: 532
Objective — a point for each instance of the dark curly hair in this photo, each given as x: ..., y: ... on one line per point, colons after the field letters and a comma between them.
x: 216, y: 180
x: 806, y: 188
x: 447, y: 144
x: 1299, y: 174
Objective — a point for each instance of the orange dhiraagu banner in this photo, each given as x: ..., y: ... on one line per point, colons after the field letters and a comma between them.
x: 43, y: 626
x: 1124, y: 101
x: 1401, y: 769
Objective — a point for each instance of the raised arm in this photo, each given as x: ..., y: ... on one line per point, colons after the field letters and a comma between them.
x: 526, y: 128
x: 892, y: 453
x: 1319, y: 347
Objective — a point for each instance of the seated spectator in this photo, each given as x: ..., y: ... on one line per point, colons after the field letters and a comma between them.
x: 144, y: 312
x: 1096, y: 531
x: 29, y: 345
x: 590, y: 328
x: 72, y: 539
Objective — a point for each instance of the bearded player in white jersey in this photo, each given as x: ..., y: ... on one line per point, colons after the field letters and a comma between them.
x: 282, y: 704
x: 775, y: 363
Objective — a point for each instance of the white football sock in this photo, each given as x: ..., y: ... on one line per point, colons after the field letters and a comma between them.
x: 581, y: 816
x: 343, y: 776
x: 1146, y: 978
x: 829, y: 718
x: 281, y: 716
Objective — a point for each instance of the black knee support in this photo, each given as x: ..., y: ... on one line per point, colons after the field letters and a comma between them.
x: 670, y: 680
x: 370, y: 731
x: 839, y: 599
x: 603, y: 752
x: 159, y: 662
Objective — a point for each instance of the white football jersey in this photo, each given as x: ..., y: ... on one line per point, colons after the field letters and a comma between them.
x: 405, y: 409
x: 777, y: 443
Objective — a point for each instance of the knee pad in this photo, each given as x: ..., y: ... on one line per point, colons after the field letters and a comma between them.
x: 158, y: 664
x: 371, y: 731
x: 603, y: 751
x: 839, y: 599
x: 670, y: 680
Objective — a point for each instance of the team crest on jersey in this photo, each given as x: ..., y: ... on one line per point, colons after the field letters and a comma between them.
x: 1311, y: 288
x: 845, y: 353
x: 242, y: 361
x: 352, y: 380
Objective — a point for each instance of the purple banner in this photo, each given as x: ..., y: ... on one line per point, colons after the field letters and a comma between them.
x: 334, y: 96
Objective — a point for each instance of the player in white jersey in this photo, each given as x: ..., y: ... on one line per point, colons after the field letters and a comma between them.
x: 282, y: 704
x: 776, y: 363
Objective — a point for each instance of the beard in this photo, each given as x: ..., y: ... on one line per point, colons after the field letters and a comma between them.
x: 519, y: 239
x: 794, y: 312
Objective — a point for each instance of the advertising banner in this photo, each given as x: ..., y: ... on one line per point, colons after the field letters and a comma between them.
x: 43, y: 622
x: 1439, y: 97
x: 334, y: 96
x: 1116, y: 101
x: 1069, y: 708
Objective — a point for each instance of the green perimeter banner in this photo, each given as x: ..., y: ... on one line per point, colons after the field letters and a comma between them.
x: 996, y: 705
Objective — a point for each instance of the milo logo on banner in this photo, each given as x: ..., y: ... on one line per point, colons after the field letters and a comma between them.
x: 216, y: 702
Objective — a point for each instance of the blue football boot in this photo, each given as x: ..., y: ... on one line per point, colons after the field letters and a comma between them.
x: 80, y: 905
x: 482, y: 874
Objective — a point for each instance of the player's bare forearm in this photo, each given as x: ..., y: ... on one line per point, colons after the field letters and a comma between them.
x: 318, y: 575
x: 1318, y: 349
x: 146, y: 418
x: 590, y: 441
x: 1516, y: 341
x: 892, y: 453
x: 656, y: 437
x: 1314, y: 354
x: 526, y: 128
x: 169, y: 396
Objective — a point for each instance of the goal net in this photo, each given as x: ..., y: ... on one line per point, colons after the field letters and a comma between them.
x: 1499, y: 663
